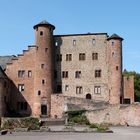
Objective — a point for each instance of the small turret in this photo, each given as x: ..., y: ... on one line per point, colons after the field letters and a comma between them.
x: 115, y: 68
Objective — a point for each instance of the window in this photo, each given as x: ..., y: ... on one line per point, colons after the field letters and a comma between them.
x: 41, y: 33
x: 29, y: 73
x: 82, y: 56
x: 79, y: 90
x: 113, y: 43
x: 39, y: 92
x: 56, y: 43
x: 42, y: 66
x: 97, y: 73
x: 22, y: 106
x: 78, y: 74
x: 113, y: 54
x: 68, y: 57
x: 94, y: 56
x: 117, y: 68
x: 66, y: 87
x: 59, y: 57
x: 21, y: 73
x: 93, y: 41
x: 59, y: 88
x: 97, y: 90
x: 46, y: 49
x: 21, y: 87
x: 43, y: 81
x: 74, y: 42
x: 88, y: 96
x: 64, y: 74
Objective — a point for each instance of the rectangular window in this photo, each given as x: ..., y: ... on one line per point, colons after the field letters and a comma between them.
x: 94, y: 56
x: 74, y: 42
x: 64, y: 74
x: 78, y: 74
x: 79, y: 90
x: 66, y: 87
x: 97, y: 90
x: 93, y: 41
x: 59, y: 57
x: 42, y: 66
x: 82, y: 56
x: 21, y: 87
x: 68, y: 57
x: 56, y: 43
x: 21, y: 73
x: 29, y: 73
x: 97, y: 73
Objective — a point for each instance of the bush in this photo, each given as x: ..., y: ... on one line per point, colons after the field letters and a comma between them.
x: 100, y: 127
x: 30, y: 123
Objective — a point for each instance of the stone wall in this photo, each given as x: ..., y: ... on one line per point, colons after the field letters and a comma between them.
x: 128, y: 88
x: 116, y: 115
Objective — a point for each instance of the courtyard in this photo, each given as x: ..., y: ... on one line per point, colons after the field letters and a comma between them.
x: 120, y: 133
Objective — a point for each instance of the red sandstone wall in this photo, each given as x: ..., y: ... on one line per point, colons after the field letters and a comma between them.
x: 128, y: 87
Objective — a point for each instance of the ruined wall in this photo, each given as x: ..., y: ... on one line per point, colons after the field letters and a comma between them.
x: 128, y: 88
x: 116, y: 115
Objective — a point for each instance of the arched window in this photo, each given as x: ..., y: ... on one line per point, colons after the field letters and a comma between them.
x: 88, y: 96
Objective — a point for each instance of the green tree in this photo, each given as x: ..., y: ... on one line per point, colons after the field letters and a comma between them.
x: 136, y: 83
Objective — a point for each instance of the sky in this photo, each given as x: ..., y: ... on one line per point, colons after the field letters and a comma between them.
x: 17, y: 18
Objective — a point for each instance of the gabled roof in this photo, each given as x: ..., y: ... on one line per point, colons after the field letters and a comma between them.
x: 44, y: 23
x: 115, y: 36
x: 2, y: 73
x: 5, y: 59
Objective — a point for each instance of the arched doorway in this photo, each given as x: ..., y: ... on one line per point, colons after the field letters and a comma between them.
x: 88, y: 96
x: 43, y: 109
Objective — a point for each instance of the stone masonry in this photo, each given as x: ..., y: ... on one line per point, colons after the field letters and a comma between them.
x: 83, y: 70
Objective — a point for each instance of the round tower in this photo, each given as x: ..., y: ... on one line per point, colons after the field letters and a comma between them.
x: 44, y: 68
x: 115, y: 68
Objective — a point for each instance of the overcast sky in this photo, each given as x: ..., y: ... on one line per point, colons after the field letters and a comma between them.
x: 17, y: 18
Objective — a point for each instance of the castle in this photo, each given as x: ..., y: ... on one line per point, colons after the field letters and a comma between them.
x: 60, y: 70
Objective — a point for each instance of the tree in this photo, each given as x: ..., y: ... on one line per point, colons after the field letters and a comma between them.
x: 136, y: 83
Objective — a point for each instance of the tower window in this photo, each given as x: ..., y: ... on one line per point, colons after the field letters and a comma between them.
x: 117, y: 67
x: 74, y: 42
x: 56, y: 43
x: 82, y: 56
x: 68, y: 57
x: 113, y: 54
x: 42, y: 66
x: 41, y: 33
x: 78, y: 74
x: 97, y: 73
x: 39, y: 92
x: 97, y: 89
x: 46, y: 49
x: 94, y: 56
x: 59, y: 88
x: 93, y: 41
x: 113, y: 43
x: 79, y: 90
x: 43, y: 81
x: 21, y: 87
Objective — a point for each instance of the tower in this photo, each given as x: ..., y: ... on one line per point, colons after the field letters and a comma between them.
x: 44, y: 68
x: 115, y: 68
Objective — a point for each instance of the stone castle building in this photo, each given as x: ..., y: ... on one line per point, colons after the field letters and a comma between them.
x: 60, y: 70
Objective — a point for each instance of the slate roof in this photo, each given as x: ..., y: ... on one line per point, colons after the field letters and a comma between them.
x: 115, y: 36
x: 4, y: 60
x: 44, y: 22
